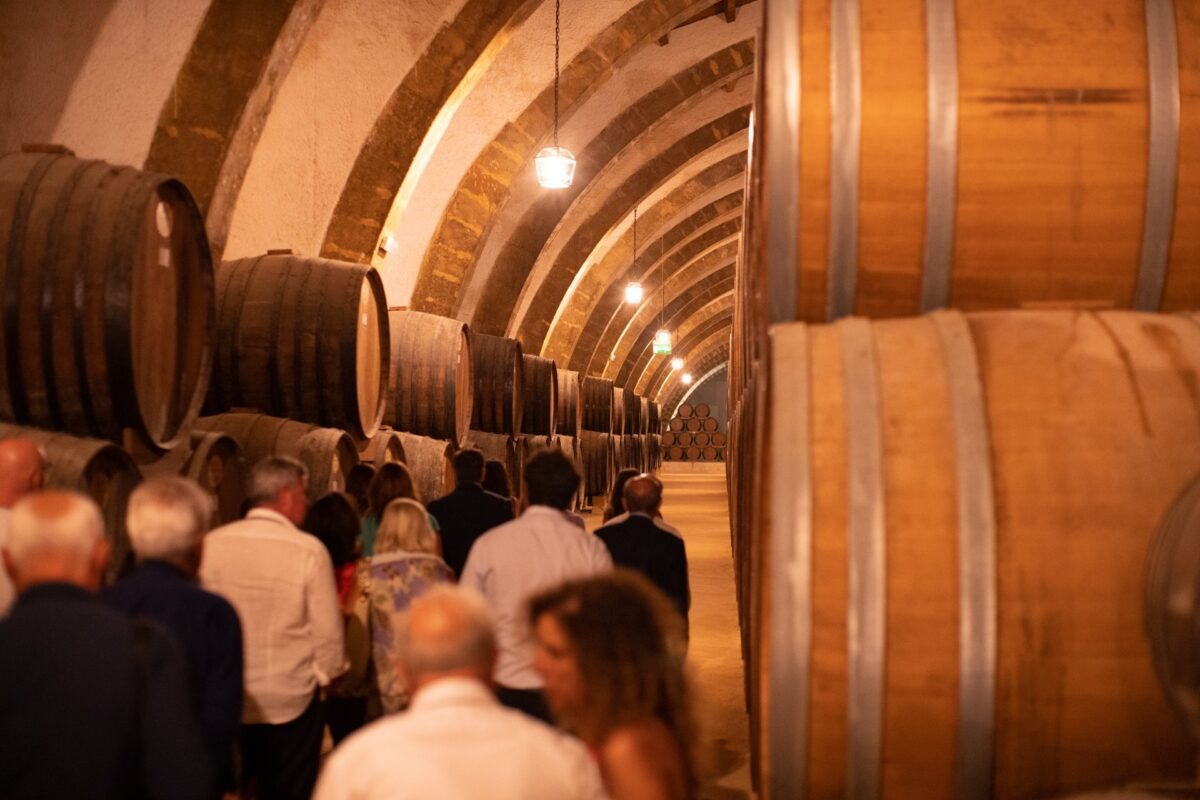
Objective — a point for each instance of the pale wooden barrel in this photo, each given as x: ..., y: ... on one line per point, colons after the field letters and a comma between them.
x: 216, y: 462
x: 597, y: 404
x: 541, y: 397
x: 98, y: 469
x: 386, y: 445
x: 108, y: 297
x: 328, y: 453
x: 302, y: 338
x: 431, y: 391
x: 431, y: 465
x: 499, y: 384
x: 570, y: 403
x: 963, y: 508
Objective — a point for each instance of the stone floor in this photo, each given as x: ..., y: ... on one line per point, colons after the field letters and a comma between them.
x: 696, y: 503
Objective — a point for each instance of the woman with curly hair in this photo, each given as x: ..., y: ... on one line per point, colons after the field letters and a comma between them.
x: 405, y: 565
x: 610, y: 652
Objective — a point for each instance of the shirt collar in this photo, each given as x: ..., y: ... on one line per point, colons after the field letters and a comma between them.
x: 269, y: 514
x: 54, y: 590
x: 452, y: 691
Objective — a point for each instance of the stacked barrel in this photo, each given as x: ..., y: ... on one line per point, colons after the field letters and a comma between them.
x: 694, y: 435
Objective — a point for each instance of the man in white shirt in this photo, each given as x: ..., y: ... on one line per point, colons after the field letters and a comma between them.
x: 21, y: 473
x: 455, y: 742
x: 280, y: 580
x: 512, y: 562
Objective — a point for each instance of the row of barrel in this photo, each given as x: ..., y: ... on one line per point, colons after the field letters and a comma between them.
x: 117, y: 334
x: 693, y: 435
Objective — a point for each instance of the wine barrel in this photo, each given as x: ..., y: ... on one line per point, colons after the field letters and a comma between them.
x: 668, y: 438
x: 710, y: 424
x: 570, y: 403
x: 328, y: 453
x: 597, y: 404
x: 107, y: 296
x: 213, y: 460
x: 386, y: 445
x: 693, y: 424
x: 675, y: 453
x: 541, y: 397
x: 685, y: 410
x: 430, y: 462
x: 597, y: 462
x: 508, y: 450
x: 685, y: 439
x: 964, y: 507
x: 98, y: 469
x: 720, y: 439
x: 633, y: 412
x: 618, y: 406
x: 933, y: 174
x: 499, y: 384
x: 654, y: 422
x: 430, y: 388
x: 678, y: 424
x: 708, y: 453
x: 701, y: 410
x: 701, y: 438
x: 644, y: 416
x: 302, y: 338
x: 693, y: 453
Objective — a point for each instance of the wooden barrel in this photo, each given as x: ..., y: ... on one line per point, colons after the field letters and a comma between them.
x: 213, y: 460
x: 693, y: 453
x: 597, y: 404
x: 685, y: 410
x: 499, y: 390
x: 98, y: 469
x: 328, y: 453
x: 708, y: 453
x: 654, y: 423
x: 570, y: 447
x: 701, y: 439
x: 597, y: 465
x: 710, y: 424
x: 669, y: 438
x: 618, y: 413
x: 675, y: 453
x: 678, y: 424
x: 685, y: 439
x: 693, y: 424
x: 302, y: 338
x: 570, y: 403
x: 430, y: 462
x: 508, y: 450
x: 633, y: 412
x: 386, y: 445
x: 541, y: 397
x: 644, y: 416
x: 948, y: 158
x: 430, y: 388
x: 701, y: 410
x: 108, y: 306
x: 720, y: 439
x: 965, y: 593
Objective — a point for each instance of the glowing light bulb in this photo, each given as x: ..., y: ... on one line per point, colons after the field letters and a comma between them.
x: 634, y: 293
x: 687, y: 379
x: 555, y: 167
x: 677, y: 364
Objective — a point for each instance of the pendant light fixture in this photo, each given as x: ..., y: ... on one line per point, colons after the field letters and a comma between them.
x: 662, y: 337
x: 555, y: 165
x: 676, y: 363
x: 687, y: 379
x: 633, y: 290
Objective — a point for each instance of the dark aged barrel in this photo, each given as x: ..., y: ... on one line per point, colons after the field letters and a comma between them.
x: 653, y: 418
x: 429, y: 461
x: 328, y: 453
x: 597, y: 404
x: 618, y: 413
x: 499, y: 384
x: 107, y: 312
x: 970, y: 502
x: 99, y: 469
x: 381, y: 448
x: 302, y: 338
x: 499, y: 447
x: 570, y: 403
x: 594, y: 451
x: 541, y: 397
x: 430, y: 388
x: 644, y: 416
x: 216, y: 462
x: 633, y: 412
x: 570, y: 446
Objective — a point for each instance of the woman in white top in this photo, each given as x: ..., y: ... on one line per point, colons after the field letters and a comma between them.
x: 405, y: 565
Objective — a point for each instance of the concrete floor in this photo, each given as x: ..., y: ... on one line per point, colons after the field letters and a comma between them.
x: 697, y: 504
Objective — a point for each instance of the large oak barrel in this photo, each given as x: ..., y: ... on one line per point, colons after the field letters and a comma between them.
x: 429, y: 461
x: 618, y: 411
x: 302, y: 338
x: 503, y: 448
x: 957, y: 513
x: 430, y: 388
x: 328, y: 453
x: 216, y: 462
x: 597, y: 462
x: 499, y: 384
x: 386, y: 445
x: 98, y: 469
x: 633, y: 412
x: 570, y: 403
x: 107, y: 314
x: 597, y: 404
x: 570, y: 446
x: 644, y: 415
x: 541, y: 397
x: 950, y: 155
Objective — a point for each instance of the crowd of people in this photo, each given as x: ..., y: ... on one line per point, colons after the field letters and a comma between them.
x: 479, y: 646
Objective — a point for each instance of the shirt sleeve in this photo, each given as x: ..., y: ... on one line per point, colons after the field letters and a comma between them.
x: 325, y: 619
x: 474, y: 574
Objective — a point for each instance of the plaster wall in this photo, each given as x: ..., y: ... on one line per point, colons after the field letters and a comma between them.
x: 351, y: 62
x: 89, y: 74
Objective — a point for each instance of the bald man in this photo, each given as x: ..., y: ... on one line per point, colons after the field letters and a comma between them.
x: 21, y: 472
x: 456, y: 742
x: 92, y: 704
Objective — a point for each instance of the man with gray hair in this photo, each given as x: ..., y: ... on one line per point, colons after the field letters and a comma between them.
x: 92, y: 704
x: 456, y: 742
x: 166, y: 519
x: 21, y: 472
x: 281, y: 582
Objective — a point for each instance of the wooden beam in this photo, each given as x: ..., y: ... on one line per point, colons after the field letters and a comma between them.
x: 730, y: 10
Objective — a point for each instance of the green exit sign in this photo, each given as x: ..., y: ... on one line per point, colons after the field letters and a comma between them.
x: 662, y: 348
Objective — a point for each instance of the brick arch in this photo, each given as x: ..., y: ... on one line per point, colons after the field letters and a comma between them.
x: 705, y: 294
x: 718, y: 334
x: 674, y: 388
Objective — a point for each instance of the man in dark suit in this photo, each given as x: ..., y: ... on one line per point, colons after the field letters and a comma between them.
x: 468, y: 512
x: 92, y: 704
x: 167, y: 518
x: 640, y: 540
